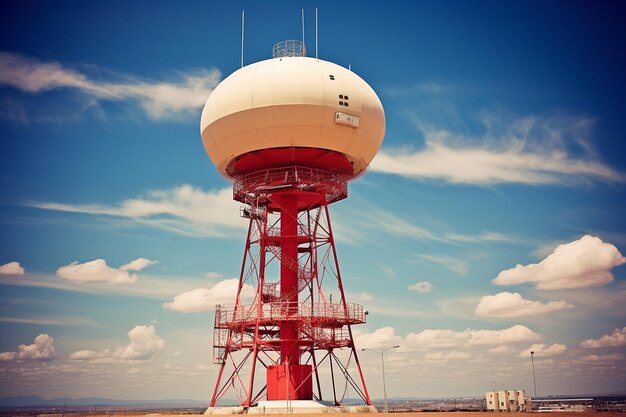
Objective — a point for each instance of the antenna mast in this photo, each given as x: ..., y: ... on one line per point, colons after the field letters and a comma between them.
x: 242, y: 26
x: 316, y: 33
x: 303, y: 44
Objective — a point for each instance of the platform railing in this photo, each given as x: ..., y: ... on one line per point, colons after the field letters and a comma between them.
x: 317, y: 314
x: 267, y: 181
x: 288, y: 48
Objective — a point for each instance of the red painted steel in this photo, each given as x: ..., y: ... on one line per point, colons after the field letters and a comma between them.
x: 291, y: 327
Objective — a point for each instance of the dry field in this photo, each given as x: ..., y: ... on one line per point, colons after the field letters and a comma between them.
x: 414, y: 414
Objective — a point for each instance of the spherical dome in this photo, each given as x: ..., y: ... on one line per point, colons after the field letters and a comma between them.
x: 292, y: 110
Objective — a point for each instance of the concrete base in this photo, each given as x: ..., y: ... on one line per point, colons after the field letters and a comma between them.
x: 224, y: 410
x: 292, y: 407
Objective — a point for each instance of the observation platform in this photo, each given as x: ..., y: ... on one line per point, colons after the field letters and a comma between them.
x: 325, y: 315
x: 256, y: 188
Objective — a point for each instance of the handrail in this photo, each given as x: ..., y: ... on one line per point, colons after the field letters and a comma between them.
x: 317, y: 314
x: 288, y: 48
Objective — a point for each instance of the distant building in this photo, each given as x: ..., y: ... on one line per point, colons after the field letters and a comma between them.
x: 507, y: 401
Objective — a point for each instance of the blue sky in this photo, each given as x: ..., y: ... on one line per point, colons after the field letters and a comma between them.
x: 490, y: 224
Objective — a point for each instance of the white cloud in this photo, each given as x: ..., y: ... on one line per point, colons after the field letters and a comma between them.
x: 500, y: 349
x: 11, y: 268
x: 378, y: 339
x: 485, y: 236
x: 542, y: 350
x: 514, y: 334
x: 205, y: 299
x: 364, y: 297
x: 184, y: 210
x: 615, y: 339
x: 138, y: 264
x: 144, y: 344
x: 437, y: 356
x: 447, y: 338
x: 449, y: 262
x: 507, y: 304
x: 611, y: 358
x: 41, y: 350
x: 586, y: 262
x: 529, y: 150
x: 98, y: 271
x: 421, y: 287
x: 159, y: 99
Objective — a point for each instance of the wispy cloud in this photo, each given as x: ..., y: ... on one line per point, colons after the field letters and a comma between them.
x: 530, y: 150
x: 421, y: 287
x: 185, y: 210
x: 148, y: 286
x: 430, y: 87
x: 170, y: 99
x: 542, y: 350
x: 446, y: 261
x: 354, y: 227
x: 48, y: 321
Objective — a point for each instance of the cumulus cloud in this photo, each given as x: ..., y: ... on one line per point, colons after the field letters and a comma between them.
x: 378, y: 339
x: 507, y: 304
x: 11, y: 268
x: 421, y: 287
x: 98, y: 271
x: 205, y: 299
x: 529, y: 150
x: 615, y: 339
x: 144, y: 344
x: 41, y: 350
x: 159, y: 99
x: 446, y: 338
x: 586, y: 262
x: 514, y: 334
x: 542, y: 350
x: 184, y: 210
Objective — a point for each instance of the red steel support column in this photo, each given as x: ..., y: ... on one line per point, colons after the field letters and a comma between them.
x: 289, y: 350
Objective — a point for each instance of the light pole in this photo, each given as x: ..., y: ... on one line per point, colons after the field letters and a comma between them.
x: 532, y: 360
x: 382, y: 360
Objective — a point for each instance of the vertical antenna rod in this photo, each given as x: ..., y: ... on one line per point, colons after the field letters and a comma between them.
x: 303, y: 44
x: 242, y: 25
x: 316, y: 33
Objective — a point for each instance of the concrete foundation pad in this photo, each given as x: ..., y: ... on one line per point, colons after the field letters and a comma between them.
x: 224, y: 410
x: 292, y: 407
x: 305, y: 407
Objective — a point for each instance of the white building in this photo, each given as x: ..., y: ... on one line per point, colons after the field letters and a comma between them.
x: 507, y: 401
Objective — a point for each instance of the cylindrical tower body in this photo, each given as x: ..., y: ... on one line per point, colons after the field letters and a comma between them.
x: 290, y: 132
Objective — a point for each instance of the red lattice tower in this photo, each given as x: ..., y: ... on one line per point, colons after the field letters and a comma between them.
x: 290, y: 132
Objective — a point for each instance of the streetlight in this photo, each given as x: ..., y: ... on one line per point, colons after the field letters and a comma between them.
x: 532, y: 359
x: 382, y: 359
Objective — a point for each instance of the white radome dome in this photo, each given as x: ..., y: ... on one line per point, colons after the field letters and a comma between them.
x: 292, y: 102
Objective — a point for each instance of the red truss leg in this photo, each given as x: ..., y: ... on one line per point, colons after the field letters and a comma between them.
x: 292, y: 328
